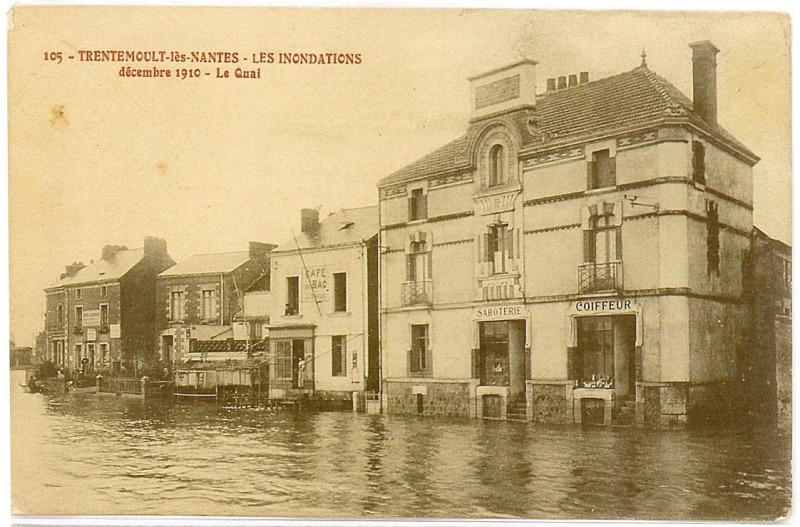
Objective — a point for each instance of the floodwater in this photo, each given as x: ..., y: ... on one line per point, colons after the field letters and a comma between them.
x: 88, y: 455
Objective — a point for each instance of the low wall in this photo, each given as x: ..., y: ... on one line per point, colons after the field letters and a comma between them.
x: 445, y: 399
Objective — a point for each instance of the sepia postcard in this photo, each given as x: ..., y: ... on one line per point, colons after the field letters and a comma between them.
x: 284, y: 264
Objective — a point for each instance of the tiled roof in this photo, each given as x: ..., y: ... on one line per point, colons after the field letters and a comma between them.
x: 109, y: 269
x: 208, y: 264
x: 340, y: 228
x: 627, y: 99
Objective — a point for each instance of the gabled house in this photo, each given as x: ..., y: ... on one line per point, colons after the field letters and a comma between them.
x: 323, y: 331
x: 197, y: 300
x: 102, y: 316
x: 575, y: 255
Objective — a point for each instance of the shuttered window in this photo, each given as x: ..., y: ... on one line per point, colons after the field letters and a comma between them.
x: 698, y: 162
x: 601, y: 171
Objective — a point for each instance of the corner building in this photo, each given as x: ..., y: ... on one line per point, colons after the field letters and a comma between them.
x: 575, y: 256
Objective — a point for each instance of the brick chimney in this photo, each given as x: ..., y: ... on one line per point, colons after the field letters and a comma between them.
x: 71, y: 269
x: 309, y: 222
x: 704, y: 80
x: 109, y: 251
x: 155, y: 246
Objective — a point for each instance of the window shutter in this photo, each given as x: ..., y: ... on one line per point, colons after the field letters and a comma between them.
x: 590, y: 183
x: 619, y: 242
x: 480, y: 248
x: 410, y: 268
x: 612, y: 171
x: 510, y: 243
x: 588, y: 246
x: 430, y: 266
x: 486, y: 249
x: 411, y: 207
x: 423, y: 206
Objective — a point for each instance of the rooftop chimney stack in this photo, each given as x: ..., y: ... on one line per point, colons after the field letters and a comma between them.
x: 584, y: 78
x: 72, y: 269
x: 562, y: 82
x: 309, y: 222
x: 551, y: 84
x: 704, y: 80
x: 154, y: 245
x: 573, y: 80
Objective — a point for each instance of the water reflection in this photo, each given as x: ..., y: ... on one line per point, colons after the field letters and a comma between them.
x: 96, y: 455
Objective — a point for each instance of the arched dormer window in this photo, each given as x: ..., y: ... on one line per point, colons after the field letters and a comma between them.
x: 496, y: 165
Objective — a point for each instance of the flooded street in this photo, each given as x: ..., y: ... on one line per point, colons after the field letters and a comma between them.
x: 84, y: 454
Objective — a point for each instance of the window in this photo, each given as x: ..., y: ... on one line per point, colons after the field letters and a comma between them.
x: 209, y: 304
x: 292, y: 295
x: 104, y: 356
x: 78, y: 294
x: 698, y: 162
x: 340, y: 292
x: 602, y: 253
x: 176, y: 305
x: 601, y: 170
x: 596, y: 350
x: 417, y: 205
x: 104, y: 291
x: 418, y: 264
x: 338, y: 355
x: 78, y: 353
x: 496, y: 165
x: 78, y: 317
x: 103, y: 316
x: 787, y: 275
x: 418, y: 360
x: 498, y: 247
x: 60, y: 314
x: 712, y: 238
x: 283, y: 359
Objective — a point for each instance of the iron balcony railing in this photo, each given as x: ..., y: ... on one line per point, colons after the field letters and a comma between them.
x: 419, y: 292
x: 600, y: 277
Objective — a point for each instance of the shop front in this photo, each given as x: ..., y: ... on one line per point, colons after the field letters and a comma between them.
x: 501, y: 361
x: 292, y: 362
x: 605, y: 338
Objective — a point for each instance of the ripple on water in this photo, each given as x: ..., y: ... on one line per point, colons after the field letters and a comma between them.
x: 114, y: 455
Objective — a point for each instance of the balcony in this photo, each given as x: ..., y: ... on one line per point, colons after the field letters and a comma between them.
x: 596, y: 277
x: 416, y: 293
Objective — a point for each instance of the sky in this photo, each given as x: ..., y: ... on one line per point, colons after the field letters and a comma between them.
x: 212, y: 163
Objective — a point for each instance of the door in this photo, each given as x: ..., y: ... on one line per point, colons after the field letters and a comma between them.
x: 167, y: 352
x: 298, y: 363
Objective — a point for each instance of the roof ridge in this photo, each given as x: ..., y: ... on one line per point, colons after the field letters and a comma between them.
x: 658, y: 83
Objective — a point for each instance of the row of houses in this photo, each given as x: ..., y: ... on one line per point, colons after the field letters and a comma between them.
x: 585, y: 252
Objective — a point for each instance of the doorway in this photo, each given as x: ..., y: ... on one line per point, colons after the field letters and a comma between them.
x: 167, y: 348
x: 502, y: 356
x: 298, y: 363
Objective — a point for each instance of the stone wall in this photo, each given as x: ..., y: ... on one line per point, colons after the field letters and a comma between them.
x: 450, y: 399
x: 676, y: 405
x: 548, y: 403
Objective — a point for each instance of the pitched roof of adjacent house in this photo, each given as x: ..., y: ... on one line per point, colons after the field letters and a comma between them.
x: 343, y: 227
x: 106, y: 269
x: 216, y: 263
x: 628, y: 99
